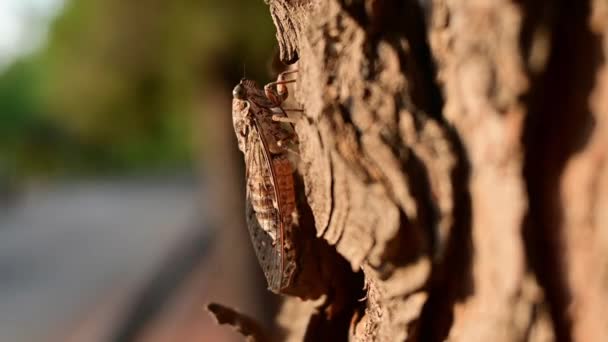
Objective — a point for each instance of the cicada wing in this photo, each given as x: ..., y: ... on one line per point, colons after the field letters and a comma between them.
x: 267, y: 251
x: 267, y: 247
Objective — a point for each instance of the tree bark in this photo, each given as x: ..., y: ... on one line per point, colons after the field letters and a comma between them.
x: 453, y: 153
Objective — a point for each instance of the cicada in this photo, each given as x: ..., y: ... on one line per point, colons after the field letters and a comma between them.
x: 263, y: 132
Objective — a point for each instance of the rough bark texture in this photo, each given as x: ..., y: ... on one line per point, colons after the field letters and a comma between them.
x: 454, y: 152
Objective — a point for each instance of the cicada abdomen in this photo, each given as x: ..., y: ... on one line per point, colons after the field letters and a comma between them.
x: 273, y: 210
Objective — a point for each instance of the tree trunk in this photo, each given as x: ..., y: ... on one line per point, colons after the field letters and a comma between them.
x: 453, y: 153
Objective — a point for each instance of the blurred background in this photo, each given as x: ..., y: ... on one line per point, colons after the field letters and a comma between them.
x: 121, y: 190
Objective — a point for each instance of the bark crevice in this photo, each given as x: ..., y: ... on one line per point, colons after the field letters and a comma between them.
x: 440, y: 152
x: 558, y: 126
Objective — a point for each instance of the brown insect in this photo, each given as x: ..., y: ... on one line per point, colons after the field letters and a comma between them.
x: 263, y: 130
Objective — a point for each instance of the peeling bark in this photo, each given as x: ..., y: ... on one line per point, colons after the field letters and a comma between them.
x: 454, y: 154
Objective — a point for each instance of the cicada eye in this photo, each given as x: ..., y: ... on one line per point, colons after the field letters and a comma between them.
x: 239, y: 92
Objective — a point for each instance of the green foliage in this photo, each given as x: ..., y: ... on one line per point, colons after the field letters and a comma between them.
x: 117, y: 84
x: 17, y: 100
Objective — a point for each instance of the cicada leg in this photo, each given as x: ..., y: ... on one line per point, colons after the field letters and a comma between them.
x: 291, y: 139
x: 287, y: 143
x: 277, y: 91
x: 282, y: 118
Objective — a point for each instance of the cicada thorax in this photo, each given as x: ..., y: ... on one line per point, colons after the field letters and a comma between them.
x: 241, y: 122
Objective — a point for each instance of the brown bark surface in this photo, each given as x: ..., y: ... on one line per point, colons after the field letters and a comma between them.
x: 453, y: 153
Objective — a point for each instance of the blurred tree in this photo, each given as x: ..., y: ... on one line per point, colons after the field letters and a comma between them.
x: 26, y: 140
x: 116, y: 82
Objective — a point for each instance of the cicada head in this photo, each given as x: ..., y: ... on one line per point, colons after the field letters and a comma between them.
x: 243, y: 103
x: 239, y: 92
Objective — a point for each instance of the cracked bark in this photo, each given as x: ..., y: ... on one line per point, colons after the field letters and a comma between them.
x: 454, y: 153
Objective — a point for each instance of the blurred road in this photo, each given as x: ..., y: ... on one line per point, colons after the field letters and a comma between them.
x: 66, y: 247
